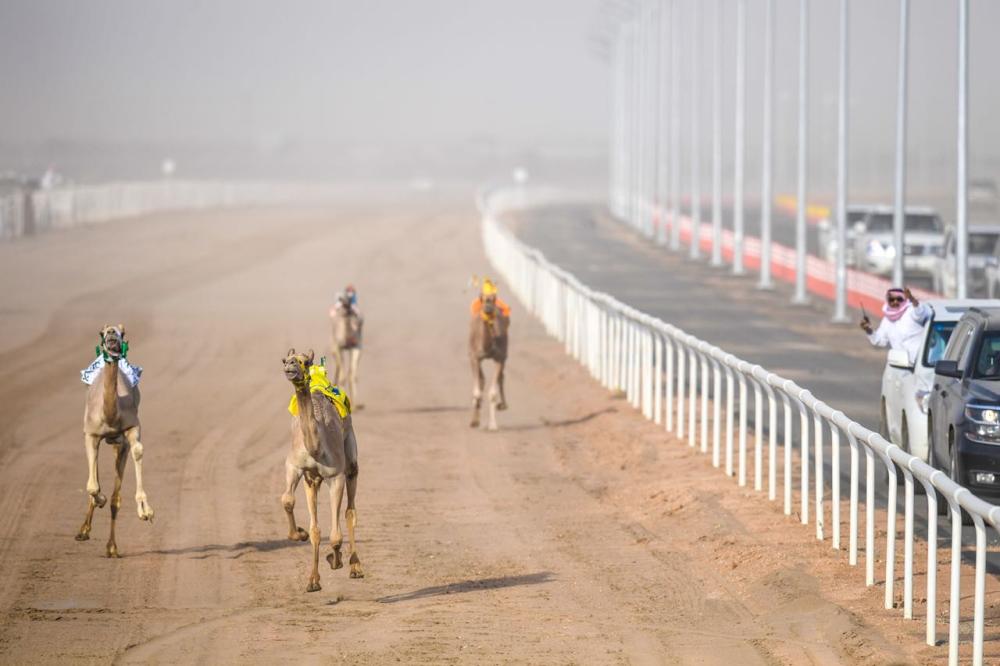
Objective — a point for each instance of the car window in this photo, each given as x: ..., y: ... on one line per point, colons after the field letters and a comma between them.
x: 988, y: 359
x: 982, y: 243
x: 929, y: 223
x: 957, y: 343
x: 937, y: 340
x: 879, y: 223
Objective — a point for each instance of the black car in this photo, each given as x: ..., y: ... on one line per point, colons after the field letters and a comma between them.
x: 963, y: 418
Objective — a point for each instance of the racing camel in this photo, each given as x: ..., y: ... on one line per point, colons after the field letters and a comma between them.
x: 346, y: 323
x: 111, y: 414
x: 488, y: 326
x: 323, y: 447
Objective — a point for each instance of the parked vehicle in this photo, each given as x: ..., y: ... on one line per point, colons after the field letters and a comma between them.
x: 826, y: 233
x: 873, y: 243
x: 906, y: 388
x: 963, y: 419
x: 983, y: 239
x: 991, y: 272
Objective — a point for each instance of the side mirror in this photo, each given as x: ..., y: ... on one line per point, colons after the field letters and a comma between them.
x: 948, y: 369
x: 899, y: 359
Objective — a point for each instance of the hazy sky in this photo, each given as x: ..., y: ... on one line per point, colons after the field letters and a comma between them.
x: 407, y: 72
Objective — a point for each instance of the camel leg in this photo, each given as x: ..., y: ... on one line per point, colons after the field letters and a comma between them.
x: 143, y: 508
x: 121, y: 456
x: 502, y: 405
x: 491, y: 423
x: 312, y: 489
x: 477, y: 391
x: 292, y: 476
x: 338, y: 362
x: 351, y: 446
x: 91, y: 442
x: 355, y: 355
x: 336, y: 536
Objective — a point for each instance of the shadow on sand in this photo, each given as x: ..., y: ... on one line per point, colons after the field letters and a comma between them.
x: 471, y: 586
x: 237, y: 550
x: 559, y: 424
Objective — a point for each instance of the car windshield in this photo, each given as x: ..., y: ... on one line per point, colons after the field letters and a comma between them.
x: 882, y: 223
x: 937, y: 340
x: 854, y: 216
x: 982, y: 243
x: 988, y: 360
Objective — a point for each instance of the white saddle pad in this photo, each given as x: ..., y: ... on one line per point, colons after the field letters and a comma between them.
x: 131, y: 372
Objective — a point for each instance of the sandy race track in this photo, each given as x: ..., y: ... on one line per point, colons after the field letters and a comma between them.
x: 579, y: 533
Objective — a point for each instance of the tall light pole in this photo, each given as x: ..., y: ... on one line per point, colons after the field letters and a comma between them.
x: 717, y: 138
x: 899, y: 201
x: 840, y: 291
x: 675, y: 133
x: 767, y: 168
x: 961, y: 218
x: 695, y: 132
x: 741, y: 103
x: 661, y: 125
x: 803, y: 163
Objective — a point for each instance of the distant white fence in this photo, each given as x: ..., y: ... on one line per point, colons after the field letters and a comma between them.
x: 659, y: 367
x: 23, y: 213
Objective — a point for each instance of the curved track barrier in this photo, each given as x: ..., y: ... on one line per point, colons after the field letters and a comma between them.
x: 676, y: 380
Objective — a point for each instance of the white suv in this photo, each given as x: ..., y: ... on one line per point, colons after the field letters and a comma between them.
x: 906, y: 388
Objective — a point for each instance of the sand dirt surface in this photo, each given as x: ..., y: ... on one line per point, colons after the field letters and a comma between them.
x: 578, y: 533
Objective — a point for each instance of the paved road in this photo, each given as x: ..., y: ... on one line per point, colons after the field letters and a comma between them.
x: 834, y: 361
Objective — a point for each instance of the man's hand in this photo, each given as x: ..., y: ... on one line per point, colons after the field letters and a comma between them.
x: 866, y: 325
x: 910, y: 297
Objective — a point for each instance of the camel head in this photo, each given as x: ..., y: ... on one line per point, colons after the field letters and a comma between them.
x: 113, y: 344
x: 489, y: 305
x: 297, y: 367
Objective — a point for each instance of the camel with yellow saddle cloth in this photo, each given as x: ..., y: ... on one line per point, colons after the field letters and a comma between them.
x: 323, y: 447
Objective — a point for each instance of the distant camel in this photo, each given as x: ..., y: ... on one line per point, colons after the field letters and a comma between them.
x: 111, y: 414
x: 323, y: 447
x: 488, y: 328
x: 347, y: 326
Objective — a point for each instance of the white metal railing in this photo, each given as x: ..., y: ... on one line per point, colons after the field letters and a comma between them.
x: 65, y: 207
x: 660, y: 369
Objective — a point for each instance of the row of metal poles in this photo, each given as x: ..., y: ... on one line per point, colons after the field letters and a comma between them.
x: 646, y: 134
x: 676, y: 380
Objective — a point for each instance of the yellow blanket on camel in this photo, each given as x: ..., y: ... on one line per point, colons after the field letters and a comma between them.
x: 318, y: 383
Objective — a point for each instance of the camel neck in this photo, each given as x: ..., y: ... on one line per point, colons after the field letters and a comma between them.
x: 307, y: 419
x: 109, y: 381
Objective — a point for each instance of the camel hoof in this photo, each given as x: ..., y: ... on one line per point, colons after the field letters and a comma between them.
x: 502, y: 406
x: 474, y: 423
x: 83, y: 536
x: 100, y: 500
x: 356, y: 571
x: 335, y: 560
x: 144, y: 510
x: 492, y: 427
x: 113, y: 551
x: 313, y: 586
x: 299, y: 535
